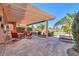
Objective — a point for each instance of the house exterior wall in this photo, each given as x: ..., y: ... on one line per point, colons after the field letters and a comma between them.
x: 2, y: 34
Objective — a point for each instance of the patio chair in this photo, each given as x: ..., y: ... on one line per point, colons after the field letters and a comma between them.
x: 14, y: 35
x: 28, y: 34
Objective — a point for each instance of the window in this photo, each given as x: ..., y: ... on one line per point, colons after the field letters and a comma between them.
x: 2, y: 26
x: 0, y: 18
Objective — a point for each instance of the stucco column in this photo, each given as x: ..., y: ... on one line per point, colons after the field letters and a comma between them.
x: 14, y: 26
x: 32, y: 27
x: 46, y: 29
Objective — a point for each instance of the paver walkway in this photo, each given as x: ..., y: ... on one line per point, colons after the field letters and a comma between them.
x: 36, y: 47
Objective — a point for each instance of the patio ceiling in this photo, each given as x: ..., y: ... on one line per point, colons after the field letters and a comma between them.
x: 25, y: 13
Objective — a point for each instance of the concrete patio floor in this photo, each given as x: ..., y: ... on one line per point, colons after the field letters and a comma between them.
x: 36, y: 47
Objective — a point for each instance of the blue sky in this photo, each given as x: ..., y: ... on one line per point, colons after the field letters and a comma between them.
x: 57, y: 9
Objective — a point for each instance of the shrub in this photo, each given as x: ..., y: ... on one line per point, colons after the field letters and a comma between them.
x: 75, y: 30
x: 51, y: 33
x: 29, y: 28
x: 39, y: 33
x: 20, y: 29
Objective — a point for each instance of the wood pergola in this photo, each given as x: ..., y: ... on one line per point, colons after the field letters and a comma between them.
x: 24, y: 13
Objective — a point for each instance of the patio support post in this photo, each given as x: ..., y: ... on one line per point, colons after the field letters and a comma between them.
x: 46, y: 29
x: 14, y: 26
x: 32, y: 27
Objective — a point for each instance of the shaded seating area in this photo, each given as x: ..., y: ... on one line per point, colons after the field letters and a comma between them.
x: 16, y: 14
x: 21, y: 35
x: 28, y: 34
x: 41, y: 35
x: 14, y: 35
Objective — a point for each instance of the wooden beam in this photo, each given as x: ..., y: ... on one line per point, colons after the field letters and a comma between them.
x: 32, y: 16
x: 6, y: 12
x: 25, y: 9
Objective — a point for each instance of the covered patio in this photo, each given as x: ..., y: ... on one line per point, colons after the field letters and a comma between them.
x: 27, y: 14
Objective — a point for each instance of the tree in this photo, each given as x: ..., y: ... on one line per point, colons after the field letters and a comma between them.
x: 30, y: 27
x: 75, y: 31
x: 41, y: 27
x: 66, y: 22
x: 61, y: 22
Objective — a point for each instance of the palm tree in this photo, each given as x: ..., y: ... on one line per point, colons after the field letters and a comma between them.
x: 41, y: 27
x: 61, y: 22
x: 66, y: 22
x: 30, y: 27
